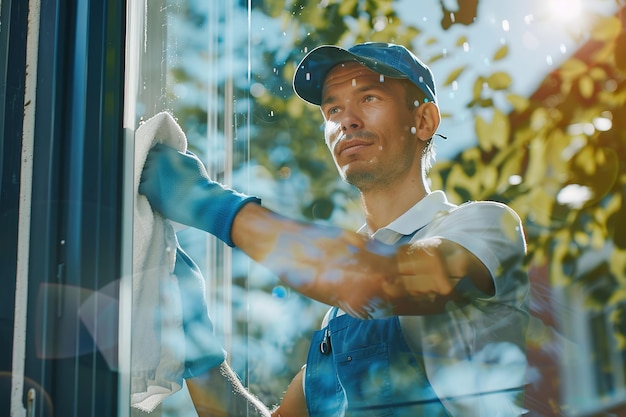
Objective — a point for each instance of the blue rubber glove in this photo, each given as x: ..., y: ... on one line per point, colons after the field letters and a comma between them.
x: 178, y: 186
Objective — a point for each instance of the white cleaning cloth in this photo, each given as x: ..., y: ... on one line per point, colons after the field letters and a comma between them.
x: 157, y: 325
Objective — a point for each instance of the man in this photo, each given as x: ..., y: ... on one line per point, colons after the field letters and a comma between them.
x: 435, y: 294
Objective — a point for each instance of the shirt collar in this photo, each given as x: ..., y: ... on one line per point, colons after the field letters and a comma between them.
x: 412, y: 220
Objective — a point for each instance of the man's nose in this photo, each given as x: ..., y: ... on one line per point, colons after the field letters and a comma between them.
x: 350, y: 121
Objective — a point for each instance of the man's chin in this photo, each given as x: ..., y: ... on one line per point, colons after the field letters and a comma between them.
x: 359, y: 179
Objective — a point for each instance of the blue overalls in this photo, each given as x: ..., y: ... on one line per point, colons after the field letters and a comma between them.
x: 362, y: 368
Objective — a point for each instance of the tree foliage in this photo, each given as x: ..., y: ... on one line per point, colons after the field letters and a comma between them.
x: 558, y: 158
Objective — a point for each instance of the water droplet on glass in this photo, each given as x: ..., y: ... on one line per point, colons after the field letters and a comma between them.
x: 515, y: 180
x: 279, y: 291
x: 380, y: 23
x: 257, y: 90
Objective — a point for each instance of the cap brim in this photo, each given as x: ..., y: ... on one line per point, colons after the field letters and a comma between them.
x: 308, y: 80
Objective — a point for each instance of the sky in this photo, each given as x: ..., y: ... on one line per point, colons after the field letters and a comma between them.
x: 540, y: 35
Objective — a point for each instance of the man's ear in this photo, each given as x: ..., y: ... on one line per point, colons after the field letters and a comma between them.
x: 427, y: 119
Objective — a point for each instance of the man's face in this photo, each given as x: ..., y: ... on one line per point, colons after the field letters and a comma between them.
x: 369, y: 128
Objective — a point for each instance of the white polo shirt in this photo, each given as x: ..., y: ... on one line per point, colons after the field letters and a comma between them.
x: 473, y: 355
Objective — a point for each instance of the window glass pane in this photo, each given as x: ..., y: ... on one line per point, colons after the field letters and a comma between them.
x: 601, y: 360
x: 529, y: 98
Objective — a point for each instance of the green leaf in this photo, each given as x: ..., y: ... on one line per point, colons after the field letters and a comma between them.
x: 501, y: 53
x: 495, y: 133
x: 519, y: 103
x: 454, y: 75
x: 478, y: 88
x: 499, y: 80
x: 436, y: 58
x: 617, y: 265
x: 607, y: 29
x: 500, y: 129
x: 586, y: 86
x: 483, y: 133
x: 572, y: 68
x: 348, y: 7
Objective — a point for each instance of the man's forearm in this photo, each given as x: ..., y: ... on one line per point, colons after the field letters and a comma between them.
x: 365, y: 278
x: 326, y: 263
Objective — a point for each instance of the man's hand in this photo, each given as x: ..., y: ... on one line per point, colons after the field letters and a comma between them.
x: 178, y: 186
x: 421, y: 272
x: 428, y: 274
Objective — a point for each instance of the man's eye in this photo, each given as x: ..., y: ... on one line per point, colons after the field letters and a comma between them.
x: 370, y: 98
x: 333, y: 110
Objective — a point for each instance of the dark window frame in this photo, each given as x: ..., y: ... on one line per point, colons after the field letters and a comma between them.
x: 77, y: 190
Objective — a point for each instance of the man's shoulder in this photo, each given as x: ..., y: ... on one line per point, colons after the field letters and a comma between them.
x: 439, y: 199
x: 489, y: 229
x: 485, y: 209
x: 496, y: 205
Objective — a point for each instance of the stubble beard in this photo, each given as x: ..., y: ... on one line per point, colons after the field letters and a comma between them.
x: 365, y: 180
x: 376, y: 176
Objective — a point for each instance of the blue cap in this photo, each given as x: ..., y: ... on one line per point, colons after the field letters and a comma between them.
x: 390, y: 60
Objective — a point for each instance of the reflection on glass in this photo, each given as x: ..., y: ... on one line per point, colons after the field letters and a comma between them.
x: 517, y: 100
